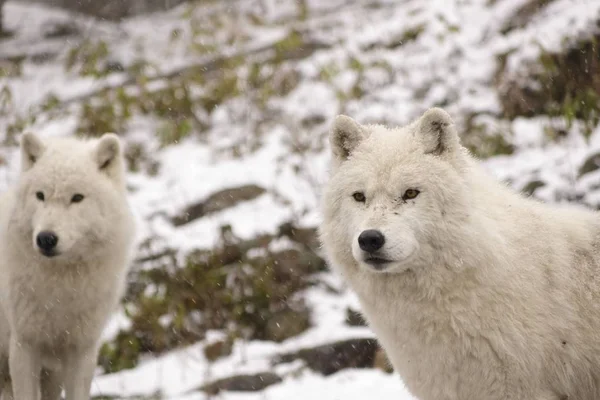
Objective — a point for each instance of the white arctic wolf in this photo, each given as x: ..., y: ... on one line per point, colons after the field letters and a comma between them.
x: 66, y: 234
x: 475, y: 292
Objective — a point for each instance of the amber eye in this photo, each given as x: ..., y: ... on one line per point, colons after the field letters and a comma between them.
x: 76, y: 198
x: 359, y: 196
x: 410, y: 194
x: 40, y: 196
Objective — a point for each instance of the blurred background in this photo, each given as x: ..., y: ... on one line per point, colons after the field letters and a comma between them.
x: 225, y: 106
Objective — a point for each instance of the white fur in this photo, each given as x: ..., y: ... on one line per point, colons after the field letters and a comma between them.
x: 488, y: 295
x: 54, y: 309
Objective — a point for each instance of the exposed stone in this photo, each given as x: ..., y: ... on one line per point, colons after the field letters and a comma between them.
x: 110, y: 9
x: 354, y: 318
x: 590, y: 165
x: 532, y: 186
x: 218, y: 201
x: 58, y: 29
x: 331, y: 358
x: 243, y: 383
x: 382, y: 362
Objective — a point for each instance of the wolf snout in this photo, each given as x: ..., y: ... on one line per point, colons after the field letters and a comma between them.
x: 47, y: 241
x: 371, y: 240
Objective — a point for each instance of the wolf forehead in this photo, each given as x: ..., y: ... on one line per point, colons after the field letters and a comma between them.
x: 387, y: 154
x: 387, y: 146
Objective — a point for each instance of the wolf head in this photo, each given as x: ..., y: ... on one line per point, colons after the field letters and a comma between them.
x: 70, y: 196
x: 394, y: 195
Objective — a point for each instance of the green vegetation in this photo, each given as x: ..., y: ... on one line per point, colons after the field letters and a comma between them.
x: 88, y: 58
x: 566, y: 86
x: 248, y: 296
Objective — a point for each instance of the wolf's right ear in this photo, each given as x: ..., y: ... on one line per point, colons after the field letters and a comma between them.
x: 32, y: 149
x: 108, y: 156
x: 437, y: 132
x: 345, y: 136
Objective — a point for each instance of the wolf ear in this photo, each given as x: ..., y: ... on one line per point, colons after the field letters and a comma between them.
x: 437, y: 133
x: 345, y: 135
x: 32, y: 149
x: 108, y: 155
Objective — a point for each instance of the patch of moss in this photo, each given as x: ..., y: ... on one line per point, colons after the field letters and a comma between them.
x: 565, y: 84
x: 108, y: 112
x: 292, y: 42
x: 303, y: 10
x: 87, y: 58
x: 356, y: 65
x: 19, y: 123
x: 226, y: 289
x: 488, y: 146
x: 274, y: 80
x: 138, y: 159
x: 225, y: 88
x: 11, y: 68
x: 409, y: 35
x: 523, y: 15
x: 111, y: 110
x: 6, y: 100
x: 328, y: 72
x: 218, y: 349
x: 482, y: 143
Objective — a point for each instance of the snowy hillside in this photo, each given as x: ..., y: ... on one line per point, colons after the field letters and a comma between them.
x: 225, y: 108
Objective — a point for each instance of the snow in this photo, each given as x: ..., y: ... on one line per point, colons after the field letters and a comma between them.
x: 346, y: 385
x: 452, y: 63
x: 185, y: 369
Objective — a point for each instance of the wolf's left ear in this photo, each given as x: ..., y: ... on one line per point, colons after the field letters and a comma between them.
x: 32, y: 149
x: 108, y: 155
x: 345, y: 136
x: 437, y: 132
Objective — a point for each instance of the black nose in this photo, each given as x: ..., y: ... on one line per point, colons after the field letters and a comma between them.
x: 46, y: 240
x: 371, y: 240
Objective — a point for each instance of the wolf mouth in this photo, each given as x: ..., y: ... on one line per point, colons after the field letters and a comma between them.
x: 377, y: 262
x: 49, y: 253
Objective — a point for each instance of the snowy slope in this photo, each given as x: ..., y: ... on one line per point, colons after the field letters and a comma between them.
x: 376, y: 60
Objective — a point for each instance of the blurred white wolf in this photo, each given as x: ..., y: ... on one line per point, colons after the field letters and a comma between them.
x: 474, y: 291
x: 66, y: 236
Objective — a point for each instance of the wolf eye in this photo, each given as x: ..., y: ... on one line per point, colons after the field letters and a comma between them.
x: 359, y: 196
x: 77, y: 198
x: 410, y: 194
x: 40, y: 196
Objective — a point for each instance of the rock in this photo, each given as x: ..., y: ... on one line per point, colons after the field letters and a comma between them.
x: 382, y: 362
x: 218, y: 201
x: 532, y: 186
x: 331, y: 358
x: 58, y: 29
x: 591, y: 164
x: 113, y: 10
x: 243, y: 383
x: 354, y: 318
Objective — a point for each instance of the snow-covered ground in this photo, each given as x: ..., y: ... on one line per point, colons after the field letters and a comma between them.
x: 376, y: 60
